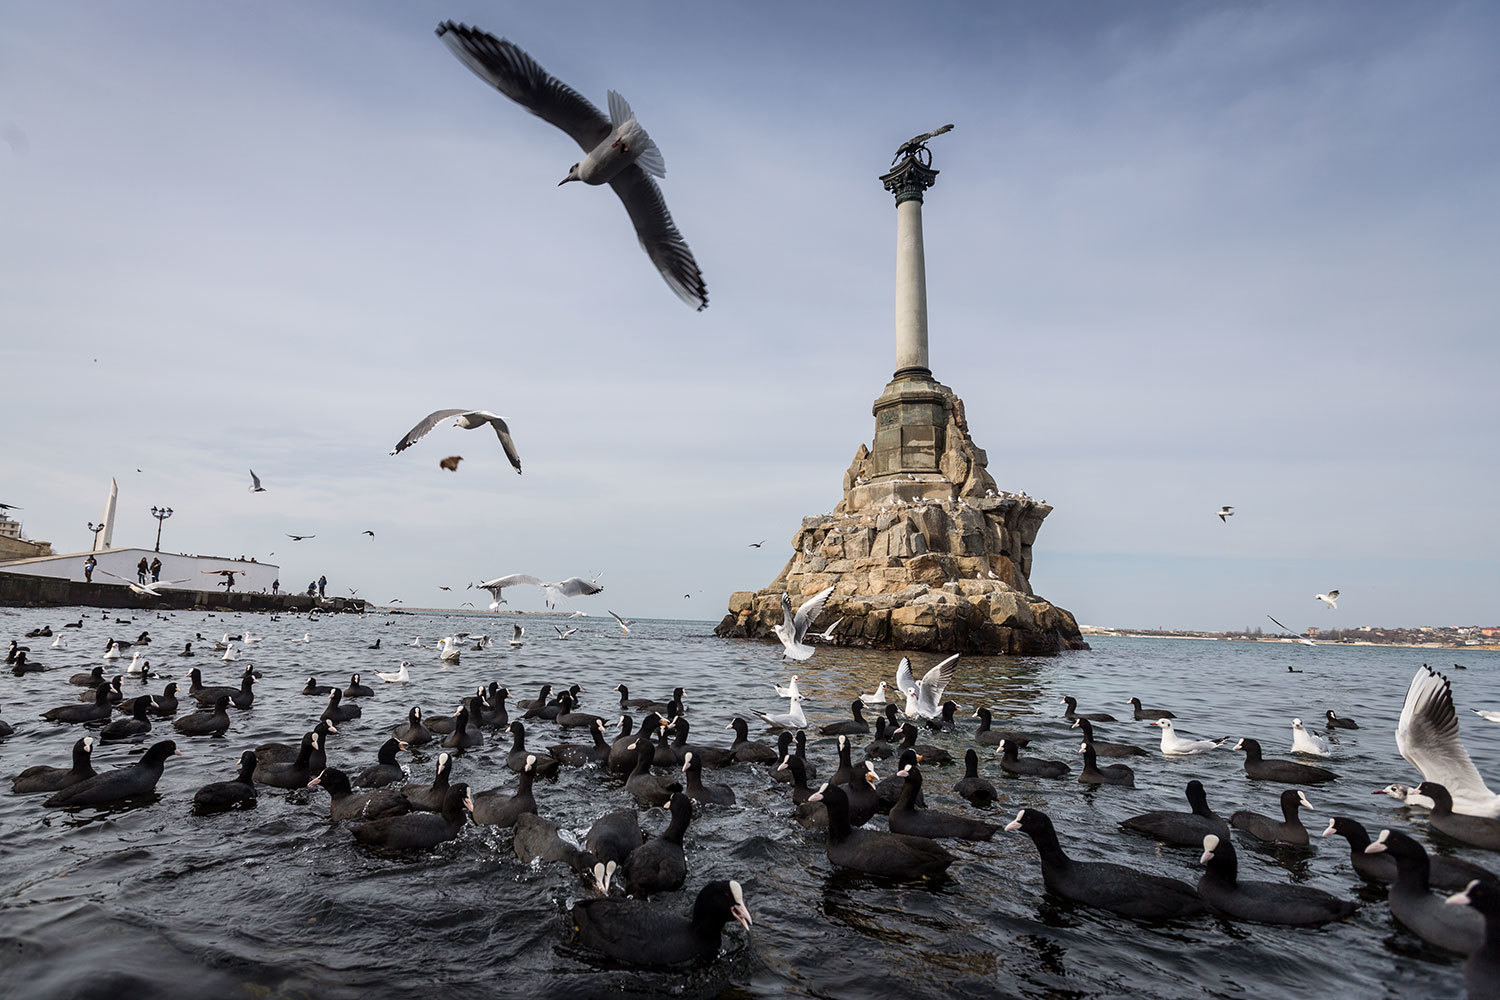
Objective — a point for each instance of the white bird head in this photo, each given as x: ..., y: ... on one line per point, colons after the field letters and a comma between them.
x: 572, y: 175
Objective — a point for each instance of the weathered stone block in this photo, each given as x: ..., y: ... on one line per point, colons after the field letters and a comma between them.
x: 741, y: 600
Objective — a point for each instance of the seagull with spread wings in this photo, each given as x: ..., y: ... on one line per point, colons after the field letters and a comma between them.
x: 1331, y: 598
x: 299, y: 538
x: 618, y: 151
x: 793, y: 628
x: 1427, y: 736
x: 1225, y: 513
x: 145, y: 589
x: 467, y: 419
x: 255, y: 486
x: 624, y: 623
x: 924, y: 698
x: 1293, y: 635
x: 573, y: 586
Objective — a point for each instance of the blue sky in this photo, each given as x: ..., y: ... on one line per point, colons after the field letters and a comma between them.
x: 1179, y: 256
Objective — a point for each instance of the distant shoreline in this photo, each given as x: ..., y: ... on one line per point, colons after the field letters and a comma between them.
x: 1097, y: 632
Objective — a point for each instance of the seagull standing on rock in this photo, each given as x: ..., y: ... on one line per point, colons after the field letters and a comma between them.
x: 618, y: 150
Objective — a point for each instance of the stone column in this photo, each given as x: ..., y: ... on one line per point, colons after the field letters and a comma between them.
x: 907, y: 182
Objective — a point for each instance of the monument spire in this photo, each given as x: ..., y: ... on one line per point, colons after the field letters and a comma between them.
x: 912, y: 176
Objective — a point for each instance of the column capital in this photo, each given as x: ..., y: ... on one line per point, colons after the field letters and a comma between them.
x: 909, y: 179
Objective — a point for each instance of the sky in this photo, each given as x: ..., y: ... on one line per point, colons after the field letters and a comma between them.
x: 1178, y: 256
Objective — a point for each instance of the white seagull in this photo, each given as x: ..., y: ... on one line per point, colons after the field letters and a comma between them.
x: 137, y: 667
x: 112, y: 651
x: 623, y: 623
x: 449, y: 649
x: 924, y: 698
x: 878, y: 698
x: 564, y: 633
x: 151, y: 589
x: 1406, y: 795
x: 619, y: 152
x: 793, y: 628
x: 573, y: 586
x: 229, y: 653
x: 515, y: 639
x: 255, y: 486
x: 1310, y: 743
x: 1225, y: 513
x: 58, y: 643
x: 1173, y: 745
x: 827, y: 634
x: 467, y: 419
x: 1427, y: 736
x: 399, y: 677
x: 1486, y: 716
x: 416, y: 640
x: 1331, y: 598
x: 306, y: 637
x: 790, y: 691
x: 793, y: 719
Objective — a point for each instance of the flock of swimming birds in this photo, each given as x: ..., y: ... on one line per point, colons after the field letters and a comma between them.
x: 661, y: 763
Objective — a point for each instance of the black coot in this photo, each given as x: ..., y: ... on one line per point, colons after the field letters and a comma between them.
x: 1031, y: 767
x: 985, y: 736
x: 887, y: 790
x: 234, y: 794
x: 1336, y: 722
x: 879, y: 748
x: 628, y: 703
x: 875, y: 852
x: 906, y: 818
x: 1104, y: 748
x: 500, y: 806
x: 115, y: 694
x: 337, y: 712
x: 121, y: 783
x: 1146, y: 714
x: 746, y: 750
x: 614, y: 835
x: 313, y: 687
x: 636, y: 933
x: 295, y: 774
x: 210, y: 723
x: 98, y: 709
x: 1287, y: 771
x: 944, y: 722
x: 348, y: 804
x: 857, y: 724
x: 138, y: 725
x: 1183, y: 829
x: 534, y: 706
x: 719, y: 795
x: 387, y: 771
x: 412, y: 731
x: 581, y: 755
x: 1443, y: 872
x: 285, y: 753
x: 242, y: 696
x: 544, y: 766
x: 1071, y: 712
x: 1482, y: 970
x: 979, y: 791
x: 1476, y: 831
x: 493, y: 712
x: 537, y: 839
x: 1110, y: 774
x: 466, y: 733
x: 44, y: 778
x: 1289, y: 830
x: 1452, y: 928
x: 569, y: 718
x: 1262, y: 902
x: 808, y: 767
x: 419, y: 831
x: 163, y: 704
x: 1120, y: 889
x: 92, y: 679
x: 431, y: 797
x: 358, y: 689
x: 930, y: 754
x: 659, y: 864
x: 711, y: 757
x: 644, y: 785
x: 621, y: 754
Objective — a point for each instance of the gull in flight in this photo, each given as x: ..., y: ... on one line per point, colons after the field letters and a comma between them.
x: 255, y: 486
x: 756, y: 545
x: 624, y: 623
x: 515, y: 639
x: 298, y: 538
x: 1292, y: 635
x: 467, y: 419
x: 440, y: 587
x: 1331, y: 598
x: 573, y: 586
x: 368, y: 532
x: 1225, y: 513
x: 793, y: 719
x: 790, y: 691
x: 924, y: 698
x: 1427, y: 736
x: 827, y: 634
x: 399, y: 677
x: 1309, y: 743
x: 618, y: 151
x: 793, y: 628
x: 564, y: 633
x: 151, y: 589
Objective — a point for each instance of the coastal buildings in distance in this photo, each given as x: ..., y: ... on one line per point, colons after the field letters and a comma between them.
x: 923, y: 551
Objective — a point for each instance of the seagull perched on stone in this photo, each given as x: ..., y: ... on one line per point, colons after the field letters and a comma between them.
x: 1331, y: 598
x: 255, y: 486
x: 793, y: 628
x: 618, y: 151
x: 1225, y: 513
x: 467, y: 419
x: 924, y: 698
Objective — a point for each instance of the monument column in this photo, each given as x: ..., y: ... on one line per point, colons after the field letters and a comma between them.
x: 907, y: 182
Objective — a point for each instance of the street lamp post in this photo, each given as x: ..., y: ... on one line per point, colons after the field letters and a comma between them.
x: 161, y: 514
x: 95, y: 528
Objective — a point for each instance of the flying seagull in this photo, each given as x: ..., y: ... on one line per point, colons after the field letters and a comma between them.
x: 756, y: 545
x: 145, y: 589
x: 468, y: 420
x: 10, y: 506
x: 370, y: 533
x: 563, y: 634
x: 1302, y: 639
x: 444, y: 588
x: 255, y: 486
x: 573, y: 586
x: 793, y: 628
x: 1331, y: 598
x: 924, y: 697
x: 298, y: 538
x: 619, y: 152
x: 624, y: 623
x: 1225, y: 513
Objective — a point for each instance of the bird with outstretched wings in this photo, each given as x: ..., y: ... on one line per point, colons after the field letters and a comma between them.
x: 910, y: 146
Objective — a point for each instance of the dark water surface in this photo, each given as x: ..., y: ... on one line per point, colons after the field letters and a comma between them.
x: 151, y: 900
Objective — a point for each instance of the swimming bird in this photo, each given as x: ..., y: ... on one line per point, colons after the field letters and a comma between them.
x: 1309, y: 743
x: 515, y: 638
x: 346, y: 804
x: 924, y: 697
x: 95, y: 710
x: 236, y: 793
x: 1118, y: 888
x: 857, y: 724
x: 637, y: 933
x: 1412, y: 904
x: 255, y: 486
x: 1486, y: 716
x: 875, y: 852
x: 875, y: 698
x: 399, y: 677
x: 1111, y: 774
x: 1262, y: 902
x: 978, y: 790
x: 1444, y: 872
x: 791, y: 719
x: 1482, y: 970
x: 135, y: 781
x: 449, y: 650
x: 1225, y: 513
x: 746, y: 750
x: 1071, y: 712
x: 659, y: 865
x: 1288, y: 771
x: 1427, y: 736
x: 420, y: 830
x: 138, y: 724
x: 1331, y: 598
x: 564, y: 633
x: 692, y: 768
x: 1288, y: 831
x: 1336, y: 721
x: 1142, y: 714
x: 619, y: 152
x: 905, y: 816
x: 1103, y: 748
x: 1173, y: 745
x: 1032, y: 767
x: 790, y: 690
x: 358, y: 689
x: 793, y: 628
x: 501, y: 807
x: 467, y: 419
x: 46, y: 778
x: 1183, y: 829
x: 1476, y: 831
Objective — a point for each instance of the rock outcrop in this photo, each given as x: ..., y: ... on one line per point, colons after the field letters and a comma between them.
x: 924, y: 551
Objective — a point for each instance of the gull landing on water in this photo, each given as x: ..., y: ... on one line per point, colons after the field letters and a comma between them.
x: 515, y: 639
x: 467, y: 419
x: 793, y: 628
x: 1427, y: 736
x: 618, y: 151
x: 924, y: 698
x: 623, y: 623
x: 790, y: 691
x: 1331, y: 598
x: 564, y: 633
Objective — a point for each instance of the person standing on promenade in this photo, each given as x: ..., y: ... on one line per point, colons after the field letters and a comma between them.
x: 88, y: 568
x: 141, y: 569
x: 276, y: 585
x: 156, y: 569
x: 322, y: 586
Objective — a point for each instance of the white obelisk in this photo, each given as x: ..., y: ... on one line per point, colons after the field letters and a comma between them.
x: 109, y: 517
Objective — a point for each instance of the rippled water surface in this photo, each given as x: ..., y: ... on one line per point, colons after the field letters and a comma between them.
x: 279, y: 901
